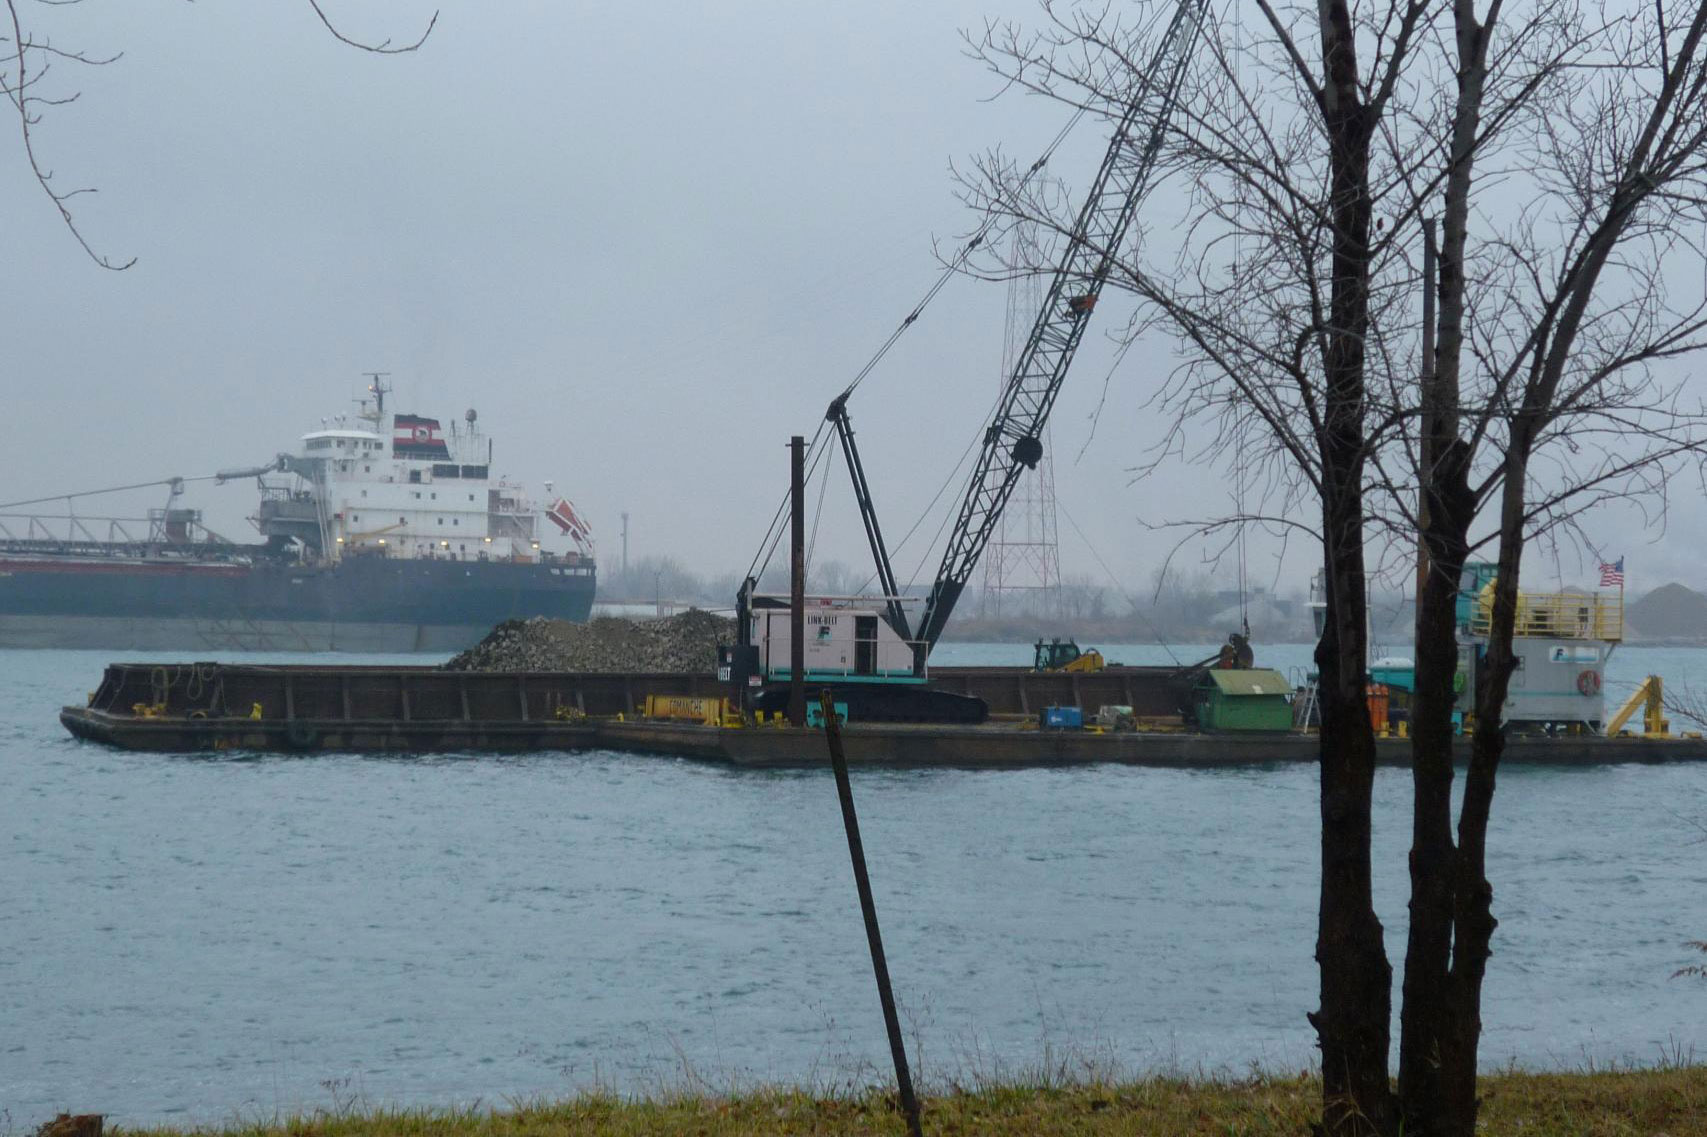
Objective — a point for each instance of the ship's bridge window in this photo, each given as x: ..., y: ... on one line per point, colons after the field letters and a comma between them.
x: 320, y: 444
x: 474, y: 471
x: 415, y: 476
x: 445, y: 470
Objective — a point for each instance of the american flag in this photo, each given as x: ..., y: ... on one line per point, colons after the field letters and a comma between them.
x: 1611, y: 573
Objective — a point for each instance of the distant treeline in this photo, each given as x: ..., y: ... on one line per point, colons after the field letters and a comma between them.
x: 1181, y: 609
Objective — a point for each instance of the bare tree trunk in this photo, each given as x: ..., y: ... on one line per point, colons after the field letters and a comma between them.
x: 1472, y: 895
x: 1354, y: 1024
x: 1433, y: 861
x: 1448, y: 511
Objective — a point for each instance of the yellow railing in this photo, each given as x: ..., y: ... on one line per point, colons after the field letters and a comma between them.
x: 1558, y: 615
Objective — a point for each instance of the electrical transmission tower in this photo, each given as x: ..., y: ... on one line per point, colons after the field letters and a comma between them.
x: 1022, y: 567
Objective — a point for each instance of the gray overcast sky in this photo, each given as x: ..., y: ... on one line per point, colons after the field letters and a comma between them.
x: 647, y: 242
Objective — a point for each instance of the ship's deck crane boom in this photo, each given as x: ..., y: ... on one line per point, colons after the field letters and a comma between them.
x: 1013, y: 441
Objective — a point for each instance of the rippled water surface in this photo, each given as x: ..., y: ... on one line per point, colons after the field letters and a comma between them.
x: 196, y: 938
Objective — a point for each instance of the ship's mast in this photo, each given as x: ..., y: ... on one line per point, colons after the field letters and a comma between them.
x: 379, y: 387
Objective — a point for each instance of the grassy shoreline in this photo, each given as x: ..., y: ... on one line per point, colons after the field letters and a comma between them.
x: 1671, y: 1100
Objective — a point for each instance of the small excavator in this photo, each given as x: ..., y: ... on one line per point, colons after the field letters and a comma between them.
x: 1064, y: 655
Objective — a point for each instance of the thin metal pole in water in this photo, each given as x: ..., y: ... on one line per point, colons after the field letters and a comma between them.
x: 868, y: 908
x: 797, y: 582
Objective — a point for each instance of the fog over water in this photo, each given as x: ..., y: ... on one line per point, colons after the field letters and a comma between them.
x: 203, y: 938
x: 647, y: 243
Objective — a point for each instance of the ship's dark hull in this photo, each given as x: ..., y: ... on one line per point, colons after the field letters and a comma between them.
x: 362, y: 604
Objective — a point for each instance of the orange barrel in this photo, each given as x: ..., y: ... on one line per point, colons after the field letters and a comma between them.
x: 1378, y: 699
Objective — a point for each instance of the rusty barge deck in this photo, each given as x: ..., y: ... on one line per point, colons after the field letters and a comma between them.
x: 179, y: 708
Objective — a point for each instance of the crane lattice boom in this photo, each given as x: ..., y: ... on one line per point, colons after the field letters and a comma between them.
x: 1013, y: 441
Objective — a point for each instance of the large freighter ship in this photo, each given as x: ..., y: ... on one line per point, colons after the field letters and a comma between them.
x: 384, y: 532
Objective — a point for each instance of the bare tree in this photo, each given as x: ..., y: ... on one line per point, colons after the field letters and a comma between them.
x: 1563, y: 147
x: 28, y: 64
x: 832, y: 578
x: 1274, y: 298
x: 1549, y: 325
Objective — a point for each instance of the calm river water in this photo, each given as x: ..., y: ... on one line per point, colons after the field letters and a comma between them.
x: 196, y: 939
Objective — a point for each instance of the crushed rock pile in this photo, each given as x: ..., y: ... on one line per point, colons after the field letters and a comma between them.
x: 686, y: 642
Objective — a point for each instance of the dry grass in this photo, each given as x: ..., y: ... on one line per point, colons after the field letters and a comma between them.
x: 1670, y: 1101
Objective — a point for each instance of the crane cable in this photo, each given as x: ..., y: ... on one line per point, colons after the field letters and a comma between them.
x: 817, y: 516
x: 773, y: 535
x: 965, y: 254
x: 1118, y: 587
x: 773, y: 532
x: 924, y: 514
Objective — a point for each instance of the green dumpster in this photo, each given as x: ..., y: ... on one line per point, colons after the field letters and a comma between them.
x: 1258, y: 699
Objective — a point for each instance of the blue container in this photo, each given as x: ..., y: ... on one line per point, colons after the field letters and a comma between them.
x: 1062, y: 718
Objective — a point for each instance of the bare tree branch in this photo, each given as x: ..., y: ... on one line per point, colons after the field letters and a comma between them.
x: 30, y: 63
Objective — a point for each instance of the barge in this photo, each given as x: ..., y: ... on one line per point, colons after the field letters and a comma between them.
x: 212, y: 707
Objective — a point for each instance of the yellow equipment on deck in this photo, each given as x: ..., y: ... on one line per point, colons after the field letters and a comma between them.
x: 1064, y: 655
x: 690, y: 708
x: 1560, y: 615
x: 1650, y: 696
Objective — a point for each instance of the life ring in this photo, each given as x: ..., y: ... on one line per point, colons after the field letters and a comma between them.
x: 300, y: 735
x: 1588, y: 682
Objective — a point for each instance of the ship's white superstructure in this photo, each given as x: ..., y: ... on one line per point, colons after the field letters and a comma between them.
x: 399, y: 485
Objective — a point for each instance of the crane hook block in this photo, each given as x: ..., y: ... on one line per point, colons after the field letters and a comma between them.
x: 1028, y: 451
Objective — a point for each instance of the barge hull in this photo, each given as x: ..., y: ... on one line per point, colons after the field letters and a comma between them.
x: 876, y: 745
x: 211, y: 706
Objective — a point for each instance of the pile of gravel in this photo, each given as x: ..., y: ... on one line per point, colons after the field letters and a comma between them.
x: 687, y: 642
